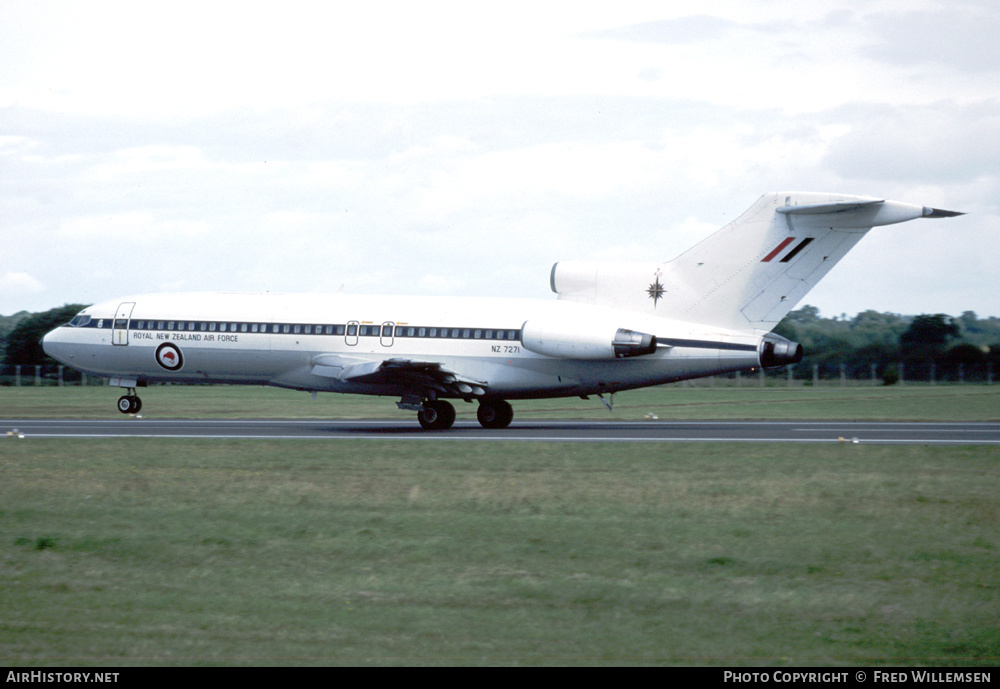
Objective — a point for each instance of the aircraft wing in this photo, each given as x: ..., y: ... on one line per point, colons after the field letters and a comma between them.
x: 419, y: 376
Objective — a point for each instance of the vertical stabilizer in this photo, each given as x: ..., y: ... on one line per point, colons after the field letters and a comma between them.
x: 750, y: 273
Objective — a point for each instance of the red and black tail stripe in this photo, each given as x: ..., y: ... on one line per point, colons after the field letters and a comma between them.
x: 778, y: 249
x: 791, y: 254
x: 798, y: 247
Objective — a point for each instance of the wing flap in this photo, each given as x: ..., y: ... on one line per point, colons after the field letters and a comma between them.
x: 422, y: 376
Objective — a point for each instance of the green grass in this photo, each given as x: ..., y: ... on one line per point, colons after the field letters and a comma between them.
x: 218, y: 552
x: 911, y: 402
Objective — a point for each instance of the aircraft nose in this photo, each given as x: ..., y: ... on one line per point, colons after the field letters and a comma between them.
x: 54, y: 345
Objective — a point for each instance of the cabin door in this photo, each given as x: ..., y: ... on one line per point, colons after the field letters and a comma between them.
x: 351, y: 333
x: 119, y: 332
x: 387, y: 337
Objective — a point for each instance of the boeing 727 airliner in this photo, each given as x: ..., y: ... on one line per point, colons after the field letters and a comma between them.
x: 614, y: 326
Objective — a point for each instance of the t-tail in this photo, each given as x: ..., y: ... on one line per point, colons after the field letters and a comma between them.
x: 750, y: 273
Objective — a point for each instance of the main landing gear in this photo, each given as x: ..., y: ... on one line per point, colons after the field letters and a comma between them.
x: 438, y: 415
x: 494, y: 414
x: 130, y: 403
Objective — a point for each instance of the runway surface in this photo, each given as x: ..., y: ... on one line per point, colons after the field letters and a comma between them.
x: 895, y: 433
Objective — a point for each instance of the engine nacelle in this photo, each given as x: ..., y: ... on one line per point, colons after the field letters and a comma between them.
x: 777, y: 351
x: 585, y: 341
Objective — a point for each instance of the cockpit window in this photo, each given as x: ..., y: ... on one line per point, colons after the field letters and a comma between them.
x: 80, y: 320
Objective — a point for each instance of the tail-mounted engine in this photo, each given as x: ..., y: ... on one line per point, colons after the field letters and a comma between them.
x: 585, y: 341
x: 630, y: 343
x: 775, y: 350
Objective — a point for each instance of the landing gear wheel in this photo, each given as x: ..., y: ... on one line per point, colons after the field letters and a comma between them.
x: 495, y: 414
x: 437, y: 415
x: 129, y: 404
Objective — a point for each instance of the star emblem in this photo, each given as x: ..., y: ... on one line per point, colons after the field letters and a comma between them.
x: 656, y: 290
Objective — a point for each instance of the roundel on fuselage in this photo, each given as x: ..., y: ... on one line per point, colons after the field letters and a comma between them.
x: 169, y: 357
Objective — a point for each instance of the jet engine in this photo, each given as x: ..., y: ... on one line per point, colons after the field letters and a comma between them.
x: 585, y: 341
x: 775, y: 350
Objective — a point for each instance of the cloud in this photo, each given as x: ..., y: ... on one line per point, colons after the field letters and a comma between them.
x: 959, y: 36
x: 19, y: 284
x: 465, y: 151
x: 942, y: 142
x: 689, y: 29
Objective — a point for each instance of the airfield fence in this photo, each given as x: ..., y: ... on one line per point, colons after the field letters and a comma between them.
x: 792, y: 376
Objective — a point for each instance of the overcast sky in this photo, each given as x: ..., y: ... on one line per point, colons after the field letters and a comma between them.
x: 462, y: 148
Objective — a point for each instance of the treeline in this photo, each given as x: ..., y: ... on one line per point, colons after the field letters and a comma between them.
x: 928, y: 347
x: 889, y: 346
x: 21, y: 334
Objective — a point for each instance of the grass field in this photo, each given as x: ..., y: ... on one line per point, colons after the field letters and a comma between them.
x: 909, y: 403
x: 203, y: 552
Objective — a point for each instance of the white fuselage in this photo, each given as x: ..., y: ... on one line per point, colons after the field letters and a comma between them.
x: 315, y: 342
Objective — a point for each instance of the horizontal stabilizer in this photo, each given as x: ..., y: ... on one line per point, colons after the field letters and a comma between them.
x: 820, y: 208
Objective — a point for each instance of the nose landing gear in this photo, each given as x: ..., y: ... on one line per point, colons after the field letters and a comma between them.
x: 130, y: 403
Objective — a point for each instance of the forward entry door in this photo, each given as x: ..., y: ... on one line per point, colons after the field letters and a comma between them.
x: 119, y: 333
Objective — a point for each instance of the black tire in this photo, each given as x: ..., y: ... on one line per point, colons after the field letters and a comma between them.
x: 437, y: 416
x: 495, y: 414
x: 125, y: 404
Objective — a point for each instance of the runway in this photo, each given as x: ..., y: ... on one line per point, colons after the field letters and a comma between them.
x: 654, y: 431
